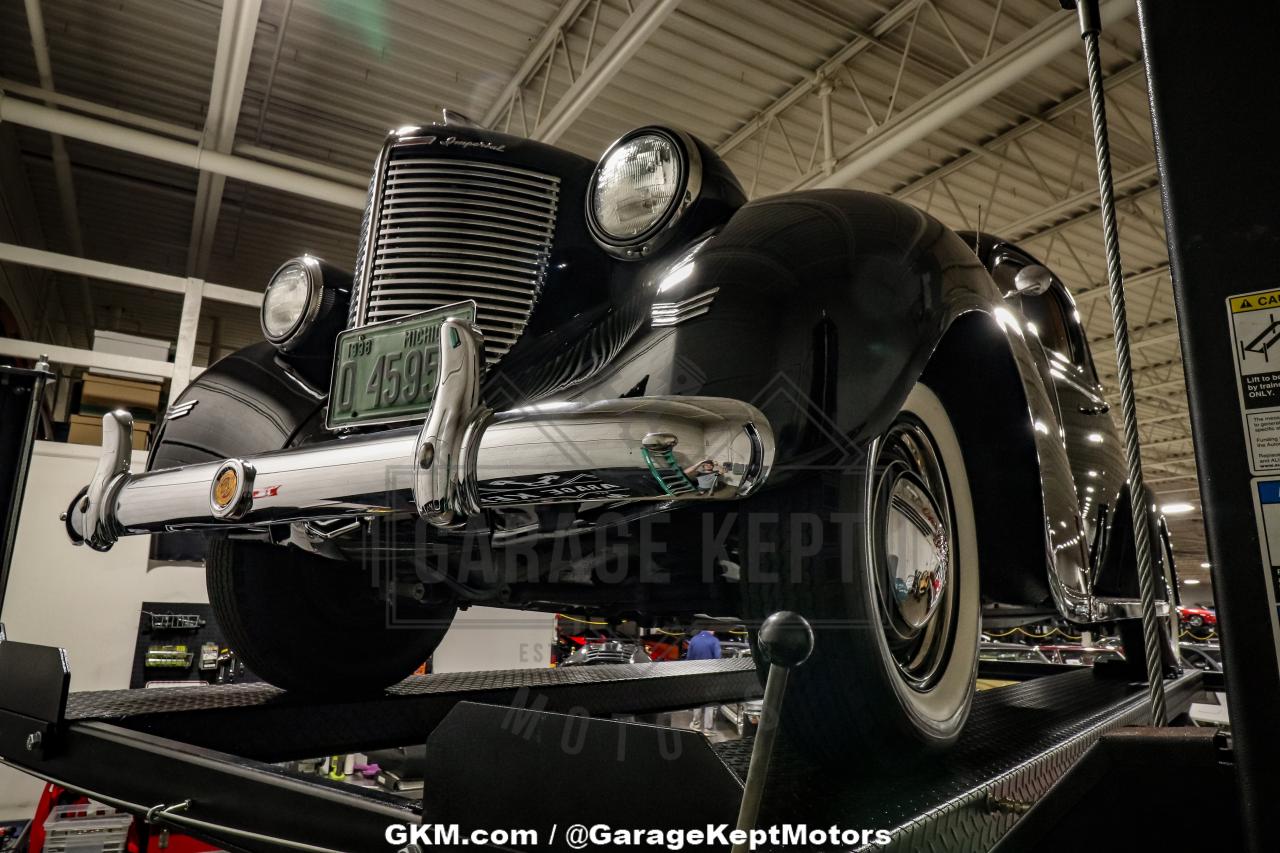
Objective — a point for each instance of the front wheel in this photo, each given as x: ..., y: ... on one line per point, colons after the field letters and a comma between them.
x: 892, y: 594
x: 309, y: 624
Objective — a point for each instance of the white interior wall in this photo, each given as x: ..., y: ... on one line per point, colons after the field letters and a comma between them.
x: 484, y: 638
x: 81, y: 600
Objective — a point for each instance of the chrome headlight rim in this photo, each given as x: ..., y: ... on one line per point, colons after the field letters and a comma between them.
x: 297, y: 332
x: 688, y: 191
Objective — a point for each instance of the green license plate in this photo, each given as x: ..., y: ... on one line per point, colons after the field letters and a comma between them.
x: 387, y: 371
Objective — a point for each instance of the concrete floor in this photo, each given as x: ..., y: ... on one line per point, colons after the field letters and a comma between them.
x: 723, y: 729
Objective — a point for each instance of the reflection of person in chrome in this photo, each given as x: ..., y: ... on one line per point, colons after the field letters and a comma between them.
x: 705, y: 475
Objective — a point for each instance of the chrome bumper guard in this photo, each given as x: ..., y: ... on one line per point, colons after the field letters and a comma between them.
x: 463, y: 460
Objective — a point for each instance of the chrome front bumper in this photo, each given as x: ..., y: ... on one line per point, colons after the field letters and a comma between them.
x: 463, y: 460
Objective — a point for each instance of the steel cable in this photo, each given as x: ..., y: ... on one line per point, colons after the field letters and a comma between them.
x: 1124, y: 370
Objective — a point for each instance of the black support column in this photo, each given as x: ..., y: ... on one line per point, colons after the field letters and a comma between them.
x: 1212, y: 72
x: 21, y: 396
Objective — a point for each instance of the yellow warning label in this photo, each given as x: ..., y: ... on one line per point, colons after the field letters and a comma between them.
x: 1255, y: 301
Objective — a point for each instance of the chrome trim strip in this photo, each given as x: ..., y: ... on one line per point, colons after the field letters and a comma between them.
x: 451, y: 265
x: 541, y: 196
x: 509, y: 230
x: 374, y: 213
x: 478, y: 164
x: 675, y: 313
x: 492, y: 310
x: 498, y: 208
x: 180, y: 410
x: 481, y: 198
x: 495, y: 291
x: 503, y: 254
x: 405, y: 236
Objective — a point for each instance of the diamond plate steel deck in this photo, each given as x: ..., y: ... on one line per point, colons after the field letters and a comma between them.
x: 1019, y: 740
x: 263, y: 722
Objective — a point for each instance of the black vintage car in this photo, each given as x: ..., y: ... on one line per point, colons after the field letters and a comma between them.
x: 619, y: 387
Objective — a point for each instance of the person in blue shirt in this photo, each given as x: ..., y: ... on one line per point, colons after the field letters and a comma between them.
x: 704, y: 645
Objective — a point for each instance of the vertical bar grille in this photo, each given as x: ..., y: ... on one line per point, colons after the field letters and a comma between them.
x: 448, y: 230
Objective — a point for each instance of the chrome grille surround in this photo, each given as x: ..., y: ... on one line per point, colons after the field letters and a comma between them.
x: 440, y: 230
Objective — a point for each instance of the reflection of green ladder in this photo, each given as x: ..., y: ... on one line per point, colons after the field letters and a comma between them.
x: 662, y: 463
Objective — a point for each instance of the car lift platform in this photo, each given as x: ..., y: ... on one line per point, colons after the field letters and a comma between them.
x: 511, y: 748
x: 1018, y: 741
x: 264, y: 723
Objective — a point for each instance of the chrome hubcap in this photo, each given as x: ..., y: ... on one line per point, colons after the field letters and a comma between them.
x: 916, y: 552
x: 914, y: 563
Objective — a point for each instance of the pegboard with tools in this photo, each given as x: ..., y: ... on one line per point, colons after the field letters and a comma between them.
x: 181, y: 642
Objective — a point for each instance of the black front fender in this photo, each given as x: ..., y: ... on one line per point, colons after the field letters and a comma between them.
x: 825, y: 308
x: 249, y: 402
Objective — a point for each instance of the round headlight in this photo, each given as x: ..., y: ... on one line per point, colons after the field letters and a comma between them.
x: 639, y: 188
x: 291, y: 299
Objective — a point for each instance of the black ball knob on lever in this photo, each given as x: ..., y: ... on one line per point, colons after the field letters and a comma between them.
x: 786, y: 639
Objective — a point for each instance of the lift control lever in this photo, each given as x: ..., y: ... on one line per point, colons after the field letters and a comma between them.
x: 786, y: 641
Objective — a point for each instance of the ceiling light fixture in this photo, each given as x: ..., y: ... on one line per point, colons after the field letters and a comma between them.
x: 1177, y: 508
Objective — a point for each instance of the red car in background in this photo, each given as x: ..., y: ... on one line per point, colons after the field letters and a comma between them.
x: 1197, y: 617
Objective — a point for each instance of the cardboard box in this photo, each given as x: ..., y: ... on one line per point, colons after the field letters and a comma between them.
x: 87, y: 429
x: 104, y: 393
